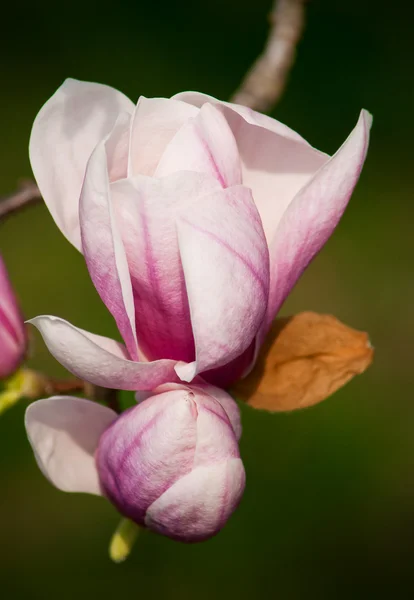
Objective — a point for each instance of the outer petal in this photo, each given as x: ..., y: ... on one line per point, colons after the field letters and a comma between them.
x: 205, y: 144
x: 225, y: 261
x: 66, y: 130
x: 155, y: 123
x: 102, y: 244
x: 146, y: 209
x: 276, y: 161
x: 251, y: 116
x: 64, y: 433
x: 12, y: 331
x: 199, y: 386
x: 146, y: 450
x: 216, y: 440
x: 99, y: 360
x: 313, y: 215
x: 199, y: 504
x: 225, y: 401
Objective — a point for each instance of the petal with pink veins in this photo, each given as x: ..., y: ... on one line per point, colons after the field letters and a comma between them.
x: 226, y: 268
x: 198, y: 385
x: 102, y: 244
x: 276, y: 161
x: 313, y: 215
x: 190, y: 509
x: 146, y: 208
x: 205, y: 144
x: 99, y: 360
x: 65, y: 132
x: 225, y: 400
x: 64, y: 433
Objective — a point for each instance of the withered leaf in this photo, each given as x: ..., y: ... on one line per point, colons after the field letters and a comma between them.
x: 305, y: 359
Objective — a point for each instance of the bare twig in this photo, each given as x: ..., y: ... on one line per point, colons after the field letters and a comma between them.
x: 33, y: 385
x: 28, y: 193
x: 266, y: 80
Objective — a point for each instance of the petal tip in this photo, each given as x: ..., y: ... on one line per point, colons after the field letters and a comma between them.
x: 186, y: 371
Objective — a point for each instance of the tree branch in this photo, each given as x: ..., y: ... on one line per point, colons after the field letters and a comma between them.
x: 34, y: 385
x: 266, y: 79
x: 28, y: 193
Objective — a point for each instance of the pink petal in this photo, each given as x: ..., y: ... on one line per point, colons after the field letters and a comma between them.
x: 198, y: 99
x: 216, y: 440
x: 99, y: 360
x: 199, y: 386
x: 225, y: 261
x: 146, y: 210
x: 226, y: 402
x: 12, y: 331
x: 66, y: 130
x: 155, y: 123
x: 313, y: 215
x: 200, y: 503
x: 232, y: 371
x: 147, y: 449
x: 102, y: 244
x: 276, y: 161
x: 64, y: 433
x: 205, y: 144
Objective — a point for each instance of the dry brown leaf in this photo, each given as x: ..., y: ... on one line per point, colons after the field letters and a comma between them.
x: 305, y: 359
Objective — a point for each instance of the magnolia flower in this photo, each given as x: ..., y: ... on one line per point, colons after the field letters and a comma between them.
x: 12, y: 331
x: 195, y: 217
x: 171, y: 463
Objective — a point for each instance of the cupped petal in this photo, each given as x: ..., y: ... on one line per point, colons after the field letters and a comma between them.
x: 146, y: 209
x: 276, y: 161
x: 313, y: 215
x: 66, y: 130
x: 64, y: 433
x: 99, y: 360
x: 253, y: 117
x: 199, y: 504
x: 216, y: 440
x: 200, y: 386
x: 102, y: 244
x: 13, y: 339
x: 224, y: 399
x: 205, y: 144
x: 146, y: 450
x: 155, y: 123
x: 10, y: 314
x: 226, y: 268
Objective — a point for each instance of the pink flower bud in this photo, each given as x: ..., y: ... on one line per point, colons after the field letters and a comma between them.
x: 172, y: 463
x: 12, y: 331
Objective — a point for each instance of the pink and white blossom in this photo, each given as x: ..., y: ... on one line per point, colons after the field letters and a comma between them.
x: 195, y: 217
x: 171, y: 463
x: 12, y: 331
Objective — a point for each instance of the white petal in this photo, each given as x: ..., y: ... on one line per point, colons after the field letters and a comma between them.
x: 99, y: 360
x: 64, y: 433
x: 66, y: 130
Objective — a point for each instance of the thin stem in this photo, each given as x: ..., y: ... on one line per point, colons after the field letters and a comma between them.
x: 28, y: 193
x: 266, y: 80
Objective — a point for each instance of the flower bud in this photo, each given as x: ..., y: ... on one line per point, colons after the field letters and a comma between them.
x: 12, y: 331
x: 172, y: 463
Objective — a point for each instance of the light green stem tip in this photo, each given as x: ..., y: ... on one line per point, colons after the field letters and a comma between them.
x: 8, y: 398
x: 123, y: 540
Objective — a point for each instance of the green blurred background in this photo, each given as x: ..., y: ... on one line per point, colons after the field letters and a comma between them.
x: 329, y: 506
